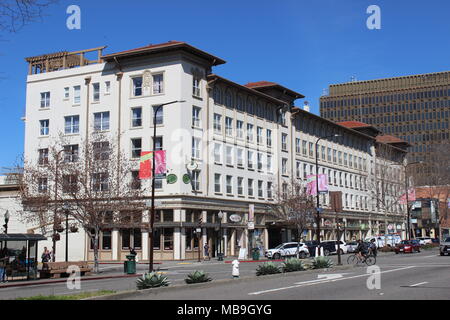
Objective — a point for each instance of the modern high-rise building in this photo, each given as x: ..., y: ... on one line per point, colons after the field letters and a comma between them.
x: 414, y: 108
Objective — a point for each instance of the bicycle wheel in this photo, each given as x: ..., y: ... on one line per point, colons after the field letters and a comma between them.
x: 370, y: 260
x: 353, y: 259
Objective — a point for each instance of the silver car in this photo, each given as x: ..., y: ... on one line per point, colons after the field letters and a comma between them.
x: 444, y: 247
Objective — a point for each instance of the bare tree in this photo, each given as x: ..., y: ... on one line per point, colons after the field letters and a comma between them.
x: 92, y: 180
x: 293, y: 206
x: 386, y: 182
x: 433, y: 177
x: 15, y: 14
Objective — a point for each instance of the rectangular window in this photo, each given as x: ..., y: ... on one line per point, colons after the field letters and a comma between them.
x: 217, y: 182
x: 297, y: 169
x: 240, y: 157
x: 240, y: 129
x: 96, y: 92
x: 135, y: 181
x: 269, y: 137
x: 107, y: 87
x: 217, y: 153
x: 311, y: 149
x: 260, y: 189
x: 168, y: 238
x: 76, y: 94
x: 196, y: 86
x: 259, y: 160
x: 158, y: 83
x: 250, y: 159
x: 304, y: 151
x: 100, y: 181
x: 196, y: 116
x: 44, y: 127
x: 229, y: 185
x: 136, y: 117
x: 269, y: 163
x: 42, y: 185
x: 101, y: 150
x: 72, y: 124
x: 250, y: 187
x: 196, y: 180
x: 269, y: 190
x: 69, y: 183
x: 284, y: 141
x: 71, y: 153
x: 45, y: 99
x: 66, y: 93
x: 229, y: 155
x: 136, y: 148
x: 240, y: 187
x: 101, y: 121
x: 196, y: 148
x: 137, y: 86
x: 229, y: 126
x: 259, y: 137
x: 158, y: 143
x: 217, y: 123
x: 284, y: 166
x: 323, y: 153
x: 43, y: 156
x: 249, y: 132
x: 297, y: 145
x: 159, y: 119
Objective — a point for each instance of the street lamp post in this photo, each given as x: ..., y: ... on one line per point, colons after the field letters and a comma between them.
x: 152, y: 212
x: 220, y: 255
x: 6, y: 221
x: 56, y: 205
x: 317, y: 187
x: 408, y: 214
x: 66, y: 211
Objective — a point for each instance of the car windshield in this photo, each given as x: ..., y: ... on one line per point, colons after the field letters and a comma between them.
x: 447, y: 240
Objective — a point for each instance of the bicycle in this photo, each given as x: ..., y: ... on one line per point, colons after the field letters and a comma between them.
x: 368, y: 259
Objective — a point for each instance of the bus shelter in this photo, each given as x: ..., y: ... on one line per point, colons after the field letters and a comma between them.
x: 21, y: 253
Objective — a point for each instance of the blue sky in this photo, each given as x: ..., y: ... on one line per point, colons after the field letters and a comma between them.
x: 303, y: 45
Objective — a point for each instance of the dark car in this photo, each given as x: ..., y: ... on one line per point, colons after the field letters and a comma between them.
x: 328, y: 247
x: 405, y: 246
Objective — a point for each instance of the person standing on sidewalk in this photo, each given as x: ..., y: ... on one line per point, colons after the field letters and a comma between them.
x: 46, y: 256
x: 3, y: 262
x: 206, y: 251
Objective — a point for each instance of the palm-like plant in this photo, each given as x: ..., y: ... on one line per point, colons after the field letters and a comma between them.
x: 293, y: 264
x: 197, y: 277
x: 322, y: 263
x: 267, y: 268
x: 152, y: 280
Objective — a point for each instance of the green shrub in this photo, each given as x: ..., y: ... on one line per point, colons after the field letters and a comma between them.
x: 429, y: 246
x: 293, y: 264
x: 267, y: 268
x: 322, y: 263
x: 152, y: 280
x: 197, y: 277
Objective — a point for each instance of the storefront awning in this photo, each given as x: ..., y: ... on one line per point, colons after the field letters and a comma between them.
x: 22, y: 237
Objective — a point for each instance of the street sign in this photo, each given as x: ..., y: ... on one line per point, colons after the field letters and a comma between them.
x: 319, y: 209
x: 235, y: 218
x: 251, y: 225
x: 172, y: 178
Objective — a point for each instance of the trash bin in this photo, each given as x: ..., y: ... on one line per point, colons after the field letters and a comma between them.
x: 255, y: 253
x: 129, y: 267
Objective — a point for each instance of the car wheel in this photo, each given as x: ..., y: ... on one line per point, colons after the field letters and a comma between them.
x: 442, y: 254
x: 302, y: 255
x: 326, y: 252
x: 276, y: 256
x: 396, y: 252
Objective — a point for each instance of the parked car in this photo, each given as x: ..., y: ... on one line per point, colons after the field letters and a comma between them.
x: 288, y: 249
x: 425, y: 240
x: 351, y: 246
x: 342, y: 245
x: 436, y: 240
x: 385, y: 240
x: 328, y: 247
x: 405, y: 246
x: 444, y: 247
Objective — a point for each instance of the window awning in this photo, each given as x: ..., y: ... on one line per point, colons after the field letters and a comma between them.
x: 22, y: 237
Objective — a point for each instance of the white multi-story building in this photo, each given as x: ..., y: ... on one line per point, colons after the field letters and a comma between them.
x: 236, y: 142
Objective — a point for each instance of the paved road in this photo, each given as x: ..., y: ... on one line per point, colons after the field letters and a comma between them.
x: 419, y: 276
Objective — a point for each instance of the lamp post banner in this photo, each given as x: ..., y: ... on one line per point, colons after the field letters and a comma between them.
x: 311, y: 188
x: 411, y: 196
x: 145, y: 167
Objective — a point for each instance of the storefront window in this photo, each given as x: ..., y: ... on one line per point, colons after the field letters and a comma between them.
x: 168, y: 215
x: 189, y: 237
x: 126, y: 236
x: 106, y: 240
x: 189, y: 215
x: 137, y: 238
x: 157, y: 239
x: 168, y: 238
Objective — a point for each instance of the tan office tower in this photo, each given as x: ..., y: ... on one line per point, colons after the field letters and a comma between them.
x: 414, y: 108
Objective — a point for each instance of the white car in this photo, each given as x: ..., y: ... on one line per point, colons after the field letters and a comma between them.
x: 425, y: 240
x: 342, y: 246
x: 288, y: 249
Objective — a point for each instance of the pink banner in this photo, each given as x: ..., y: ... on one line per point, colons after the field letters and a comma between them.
x: 160, y: 163
x: 411, y: 196
x: 311, y: 187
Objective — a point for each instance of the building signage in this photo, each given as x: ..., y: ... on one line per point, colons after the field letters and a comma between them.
x: 251, y: 212
x: 171, y: 178
x: 235, y: 218
x: 251, y: 225
x: 186, y: 178
x: 311, y: 187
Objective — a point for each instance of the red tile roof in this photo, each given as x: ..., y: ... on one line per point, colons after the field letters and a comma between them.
x: 354, y: 124
x: 268, y: 84
x: 390, y: 139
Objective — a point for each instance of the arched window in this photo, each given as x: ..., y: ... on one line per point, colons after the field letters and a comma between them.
x: 250, y: 106
x: 239, y: 103
x: 228, y: 99
x: 217, y: 95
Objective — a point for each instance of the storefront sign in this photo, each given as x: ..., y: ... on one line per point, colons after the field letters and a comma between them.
x: 186, y: 179
x: 251, y: 212
x: 235, y: 218
x: 311, y: 187
x: 251, y: 225
x: 171, y: 179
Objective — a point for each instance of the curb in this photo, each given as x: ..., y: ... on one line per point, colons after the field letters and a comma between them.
x: 155, y: 291
x: 62, y: 280
x: 246, y: 261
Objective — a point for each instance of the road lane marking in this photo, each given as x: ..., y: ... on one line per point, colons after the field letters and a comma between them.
x: 313, y: 282
x: 418, y: 284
